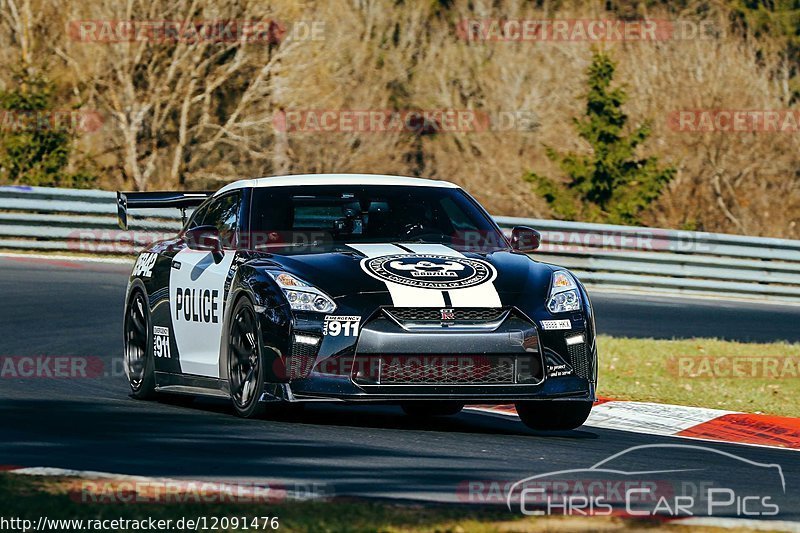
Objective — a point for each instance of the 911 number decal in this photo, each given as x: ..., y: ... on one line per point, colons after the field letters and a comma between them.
x: 346, y: 326
x: 144, y: 265
x: 161, y: 342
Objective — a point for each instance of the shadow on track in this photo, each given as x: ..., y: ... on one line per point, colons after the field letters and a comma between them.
x: 354, y: 450
x: 384, y: 416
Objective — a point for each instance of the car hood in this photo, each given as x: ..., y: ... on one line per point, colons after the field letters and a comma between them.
x: 347, y: 271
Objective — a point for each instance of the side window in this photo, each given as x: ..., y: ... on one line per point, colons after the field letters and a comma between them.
x: 196, y: 216
x: 222, y: 213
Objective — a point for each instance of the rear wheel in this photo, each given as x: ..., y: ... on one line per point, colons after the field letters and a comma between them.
x: 138, y: 348
x: 553, y: 415
x: 245, y: 361
x: 426, y: 409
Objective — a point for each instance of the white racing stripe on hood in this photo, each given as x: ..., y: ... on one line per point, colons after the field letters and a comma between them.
x: 484, y: 295
x: 402, y: 296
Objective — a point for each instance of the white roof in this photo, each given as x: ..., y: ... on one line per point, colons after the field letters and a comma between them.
x: 336, y: 179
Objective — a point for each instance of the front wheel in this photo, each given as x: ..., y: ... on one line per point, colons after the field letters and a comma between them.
x: 426, y: 409
x: 554, y: 415
x: 138, y: 348
x: 245, y: 361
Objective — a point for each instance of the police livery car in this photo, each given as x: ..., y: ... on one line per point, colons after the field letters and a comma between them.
x: 356, y: 288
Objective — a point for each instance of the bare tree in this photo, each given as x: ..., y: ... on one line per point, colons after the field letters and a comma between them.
x: 196, y: 113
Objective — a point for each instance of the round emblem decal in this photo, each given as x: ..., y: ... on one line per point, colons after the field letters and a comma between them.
x: 429, y: 271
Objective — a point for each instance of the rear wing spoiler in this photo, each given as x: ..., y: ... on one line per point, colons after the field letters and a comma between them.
x: 157, y: 200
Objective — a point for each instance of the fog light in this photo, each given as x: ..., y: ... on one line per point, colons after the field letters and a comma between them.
x: 575, y: 339
x: 306, y: 339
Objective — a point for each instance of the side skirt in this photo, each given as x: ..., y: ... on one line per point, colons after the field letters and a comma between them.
x: 214, y: 388
x: 191, y: 385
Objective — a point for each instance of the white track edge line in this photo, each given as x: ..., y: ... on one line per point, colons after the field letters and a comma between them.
x: 644, y: 430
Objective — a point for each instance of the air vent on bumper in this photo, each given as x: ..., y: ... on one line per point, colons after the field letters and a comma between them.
x: 302, y: 355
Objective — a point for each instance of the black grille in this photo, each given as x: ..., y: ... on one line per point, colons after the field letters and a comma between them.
x: 579, y: 359
x: 434, y: 314
x: 301, y: 359
x: 444, y: 369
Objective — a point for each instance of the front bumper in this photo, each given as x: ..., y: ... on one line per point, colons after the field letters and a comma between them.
x: 389, y: 362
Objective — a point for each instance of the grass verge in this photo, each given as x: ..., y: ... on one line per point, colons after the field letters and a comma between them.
x: 754, y: 378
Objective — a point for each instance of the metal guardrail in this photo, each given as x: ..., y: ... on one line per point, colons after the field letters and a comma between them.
x: 80, y: 221
x: 658, y: 260
x: 601, y: 255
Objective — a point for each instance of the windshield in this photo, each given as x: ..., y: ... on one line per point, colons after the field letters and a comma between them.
x: 331, y: 215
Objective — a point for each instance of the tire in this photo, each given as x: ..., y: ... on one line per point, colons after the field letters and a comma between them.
x: 428, y: 409
x: 138, y: 345
x: 245, y: 361
x: 554, y: 415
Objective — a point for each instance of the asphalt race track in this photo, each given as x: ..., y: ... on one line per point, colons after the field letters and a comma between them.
x: 52, y: 307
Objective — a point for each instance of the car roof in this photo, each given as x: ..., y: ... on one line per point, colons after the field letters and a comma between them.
x: 335, y: 179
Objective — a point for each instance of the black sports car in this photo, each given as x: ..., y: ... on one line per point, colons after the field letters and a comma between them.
x: 356, y: 288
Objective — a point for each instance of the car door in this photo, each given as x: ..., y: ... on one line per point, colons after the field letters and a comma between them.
x: 197, y: 289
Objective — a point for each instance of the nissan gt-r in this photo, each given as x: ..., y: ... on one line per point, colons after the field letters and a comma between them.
x: 355, y: 288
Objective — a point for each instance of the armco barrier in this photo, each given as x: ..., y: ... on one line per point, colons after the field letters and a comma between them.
x: 602, y: 255
x: 81, y: 221
x: 634, y: 258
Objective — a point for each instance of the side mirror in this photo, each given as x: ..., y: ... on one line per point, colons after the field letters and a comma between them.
x: 525, y: 239
x: 205, y: 239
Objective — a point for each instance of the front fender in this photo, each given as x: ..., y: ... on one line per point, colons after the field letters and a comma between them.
x: 274, y: 319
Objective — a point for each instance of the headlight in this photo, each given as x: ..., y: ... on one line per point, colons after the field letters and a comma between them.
x: 564, y: 295
x: 301, y: 295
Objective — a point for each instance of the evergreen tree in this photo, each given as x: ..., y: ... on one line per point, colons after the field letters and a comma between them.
x: 610, y: 184
x: 34, y: 149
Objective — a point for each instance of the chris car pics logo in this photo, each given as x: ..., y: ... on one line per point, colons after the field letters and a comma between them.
x: 677, y: 481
